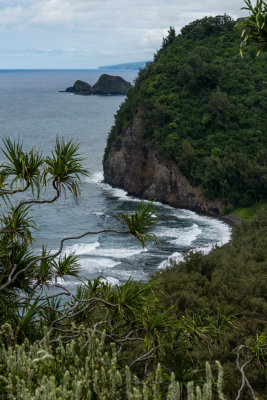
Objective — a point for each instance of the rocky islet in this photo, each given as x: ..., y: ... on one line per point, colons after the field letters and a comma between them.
x: 106, y: 85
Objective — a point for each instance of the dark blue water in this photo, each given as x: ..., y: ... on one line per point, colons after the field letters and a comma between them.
x: 32, y: 109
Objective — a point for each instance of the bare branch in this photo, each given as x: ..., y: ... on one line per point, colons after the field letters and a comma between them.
x: 12, y: 272
x: 27, y: 202
x: 244, y: 378
x: 147, y: 356
x: 11, y: 192
x: 50, y: 256
x: 40, y: 298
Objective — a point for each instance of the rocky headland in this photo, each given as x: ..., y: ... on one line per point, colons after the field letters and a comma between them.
x: 185, y: 135
x: 106, y: 84
x: 135, y: 166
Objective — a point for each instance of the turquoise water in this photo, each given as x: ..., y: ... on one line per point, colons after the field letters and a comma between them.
x: 32, y: 109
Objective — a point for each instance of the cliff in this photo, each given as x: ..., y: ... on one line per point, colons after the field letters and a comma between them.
x: 137, y: 167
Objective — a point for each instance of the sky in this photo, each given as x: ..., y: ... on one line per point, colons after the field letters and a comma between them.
x: 90, y: 33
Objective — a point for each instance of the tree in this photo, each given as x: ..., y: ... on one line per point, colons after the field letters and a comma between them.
x: 59, y: 325
x: 24, y: 276
x: 255, y: 26
x: 219, y: 108
x: 170, y: 38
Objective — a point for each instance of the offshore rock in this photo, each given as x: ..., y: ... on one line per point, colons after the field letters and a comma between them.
x: 80, y: 87
x: 135, y: 166
x: 108, y: 84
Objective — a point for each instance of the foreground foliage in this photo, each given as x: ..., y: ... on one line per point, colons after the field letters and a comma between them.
x: 204, y: 107
x: 255, y: 26
x: 230, y: 278
x: 78, y: 346
x: 83, y: 369
x: 53, y: 338
x: 34, y: 365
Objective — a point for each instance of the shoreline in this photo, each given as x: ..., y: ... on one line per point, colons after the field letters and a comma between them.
x: 227, y: 219
x: 230, y: 220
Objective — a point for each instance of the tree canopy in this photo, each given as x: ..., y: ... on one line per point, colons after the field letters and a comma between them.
x: 204, y: 106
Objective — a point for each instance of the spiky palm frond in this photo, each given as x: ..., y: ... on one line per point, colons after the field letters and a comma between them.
x: 44, y: 273
x: 180, y: 363
x: 157, y: 326
x: 22, y: 167
x: 133, y: 297
x: 21, y: 226
x: 255, y: 26
x: 27, y: 318
x: 94, y: 288
x: 142, y: 222
x: 202, y: 326
x: 65, y: 167
x: 67, y: 265
x: 16, y: 256
x: 258, y: 347
x: 50, y: 310
x: 3, y: 179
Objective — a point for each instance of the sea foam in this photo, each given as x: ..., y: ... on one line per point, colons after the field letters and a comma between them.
x: 203, y: 228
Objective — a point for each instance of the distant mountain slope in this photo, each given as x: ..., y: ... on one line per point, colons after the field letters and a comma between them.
x: 203, y: 107
x: 134, y: 65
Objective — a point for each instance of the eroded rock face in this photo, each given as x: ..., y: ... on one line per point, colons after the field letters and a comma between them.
x: 136, y: 167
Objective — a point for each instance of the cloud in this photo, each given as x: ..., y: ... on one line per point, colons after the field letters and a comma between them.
x: 11, y: 15
x: 137, y: 12
x: 104, y: 31
x: 51, y: 12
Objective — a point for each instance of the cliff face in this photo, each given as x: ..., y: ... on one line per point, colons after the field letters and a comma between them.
x: 136, y: 167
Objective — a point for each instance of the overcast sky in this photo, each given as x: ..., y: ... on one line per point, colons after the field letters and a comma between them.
x: 90, y: 33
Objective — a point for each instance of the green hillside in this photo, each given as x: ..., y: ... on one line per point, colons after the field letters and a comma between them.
x: 231, y: 278
x: 205, y: 107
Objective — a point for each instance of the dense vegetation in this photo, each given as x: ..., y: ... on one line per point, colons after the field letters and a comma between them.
x: 83, y: 369
x: 204, y: 106
x: 47, y: 336
x: 139, y: 340
x: 229, y: 278
x: 179, y: 319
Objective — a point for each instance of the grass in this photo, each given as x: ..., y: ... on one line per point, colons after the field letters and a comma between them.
x: 248, y: 212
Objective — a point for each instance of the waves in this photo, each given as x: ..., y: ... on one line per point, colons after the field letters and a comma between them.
x: 98, y: 178
x: 118, y: 259
x: 94, y: 249
x: 173, y: 258
x: 82, y: 249
x: 182, y: 237
x: 94, y: 260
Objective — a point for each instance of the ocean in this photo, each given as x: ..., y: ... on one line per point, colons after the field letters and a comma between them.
x: 33, y: 110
